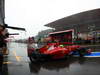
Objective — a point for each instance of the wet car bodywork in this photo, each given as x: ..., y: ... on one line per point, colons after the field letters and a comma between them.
x: 56, y: 51
x: 59, y: 45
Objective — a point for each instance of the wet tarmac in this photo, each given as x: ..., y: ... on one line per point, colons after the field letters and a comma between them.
x: 72, y: 66
x: 17, y: 63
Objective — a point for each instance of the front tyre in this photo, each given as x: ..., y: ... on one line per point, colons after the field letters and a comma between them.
x: 31, y: 59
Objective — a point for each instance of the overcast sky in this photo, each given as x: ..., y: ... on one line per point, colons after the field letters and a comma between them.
x: 34, y: 14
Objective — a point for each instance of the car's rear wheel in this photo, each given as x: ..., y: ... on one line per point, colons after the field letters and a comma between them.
x: 82, y: 51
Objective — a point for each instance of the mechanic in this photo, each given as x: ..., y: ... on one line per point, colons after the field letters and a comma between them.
x: 32, y: 44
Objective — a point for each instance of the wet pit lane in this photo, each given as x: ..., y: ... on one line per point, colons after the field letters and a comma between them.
x: 72, y: 66
x: 17, y: 63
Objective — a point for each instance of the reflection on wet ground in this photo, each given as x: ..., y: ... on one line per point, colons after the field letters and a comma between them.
x: 56, y: 65
x: 71, y: 66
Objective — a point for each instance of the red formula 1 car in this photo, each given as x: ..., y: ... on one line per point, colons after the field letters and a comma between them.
x: 59, y: 48
x: 56, y: 51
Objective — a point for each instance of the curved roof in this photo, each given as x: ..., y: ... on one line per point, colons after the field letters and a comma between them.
x: 80, y: 18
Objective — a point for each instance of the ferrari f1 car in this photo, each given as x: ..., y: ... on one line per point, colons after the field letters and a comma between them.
x: 60, y: 47
x: 56, y: 51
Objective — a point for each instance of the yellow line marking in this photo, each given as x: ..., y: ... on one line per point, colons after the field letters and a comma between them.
x: 7, y: 62
x: 17, y: 57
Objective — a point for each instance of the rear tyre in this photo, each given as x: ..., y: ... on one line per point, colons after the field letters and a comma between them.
x: 82, y: 52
